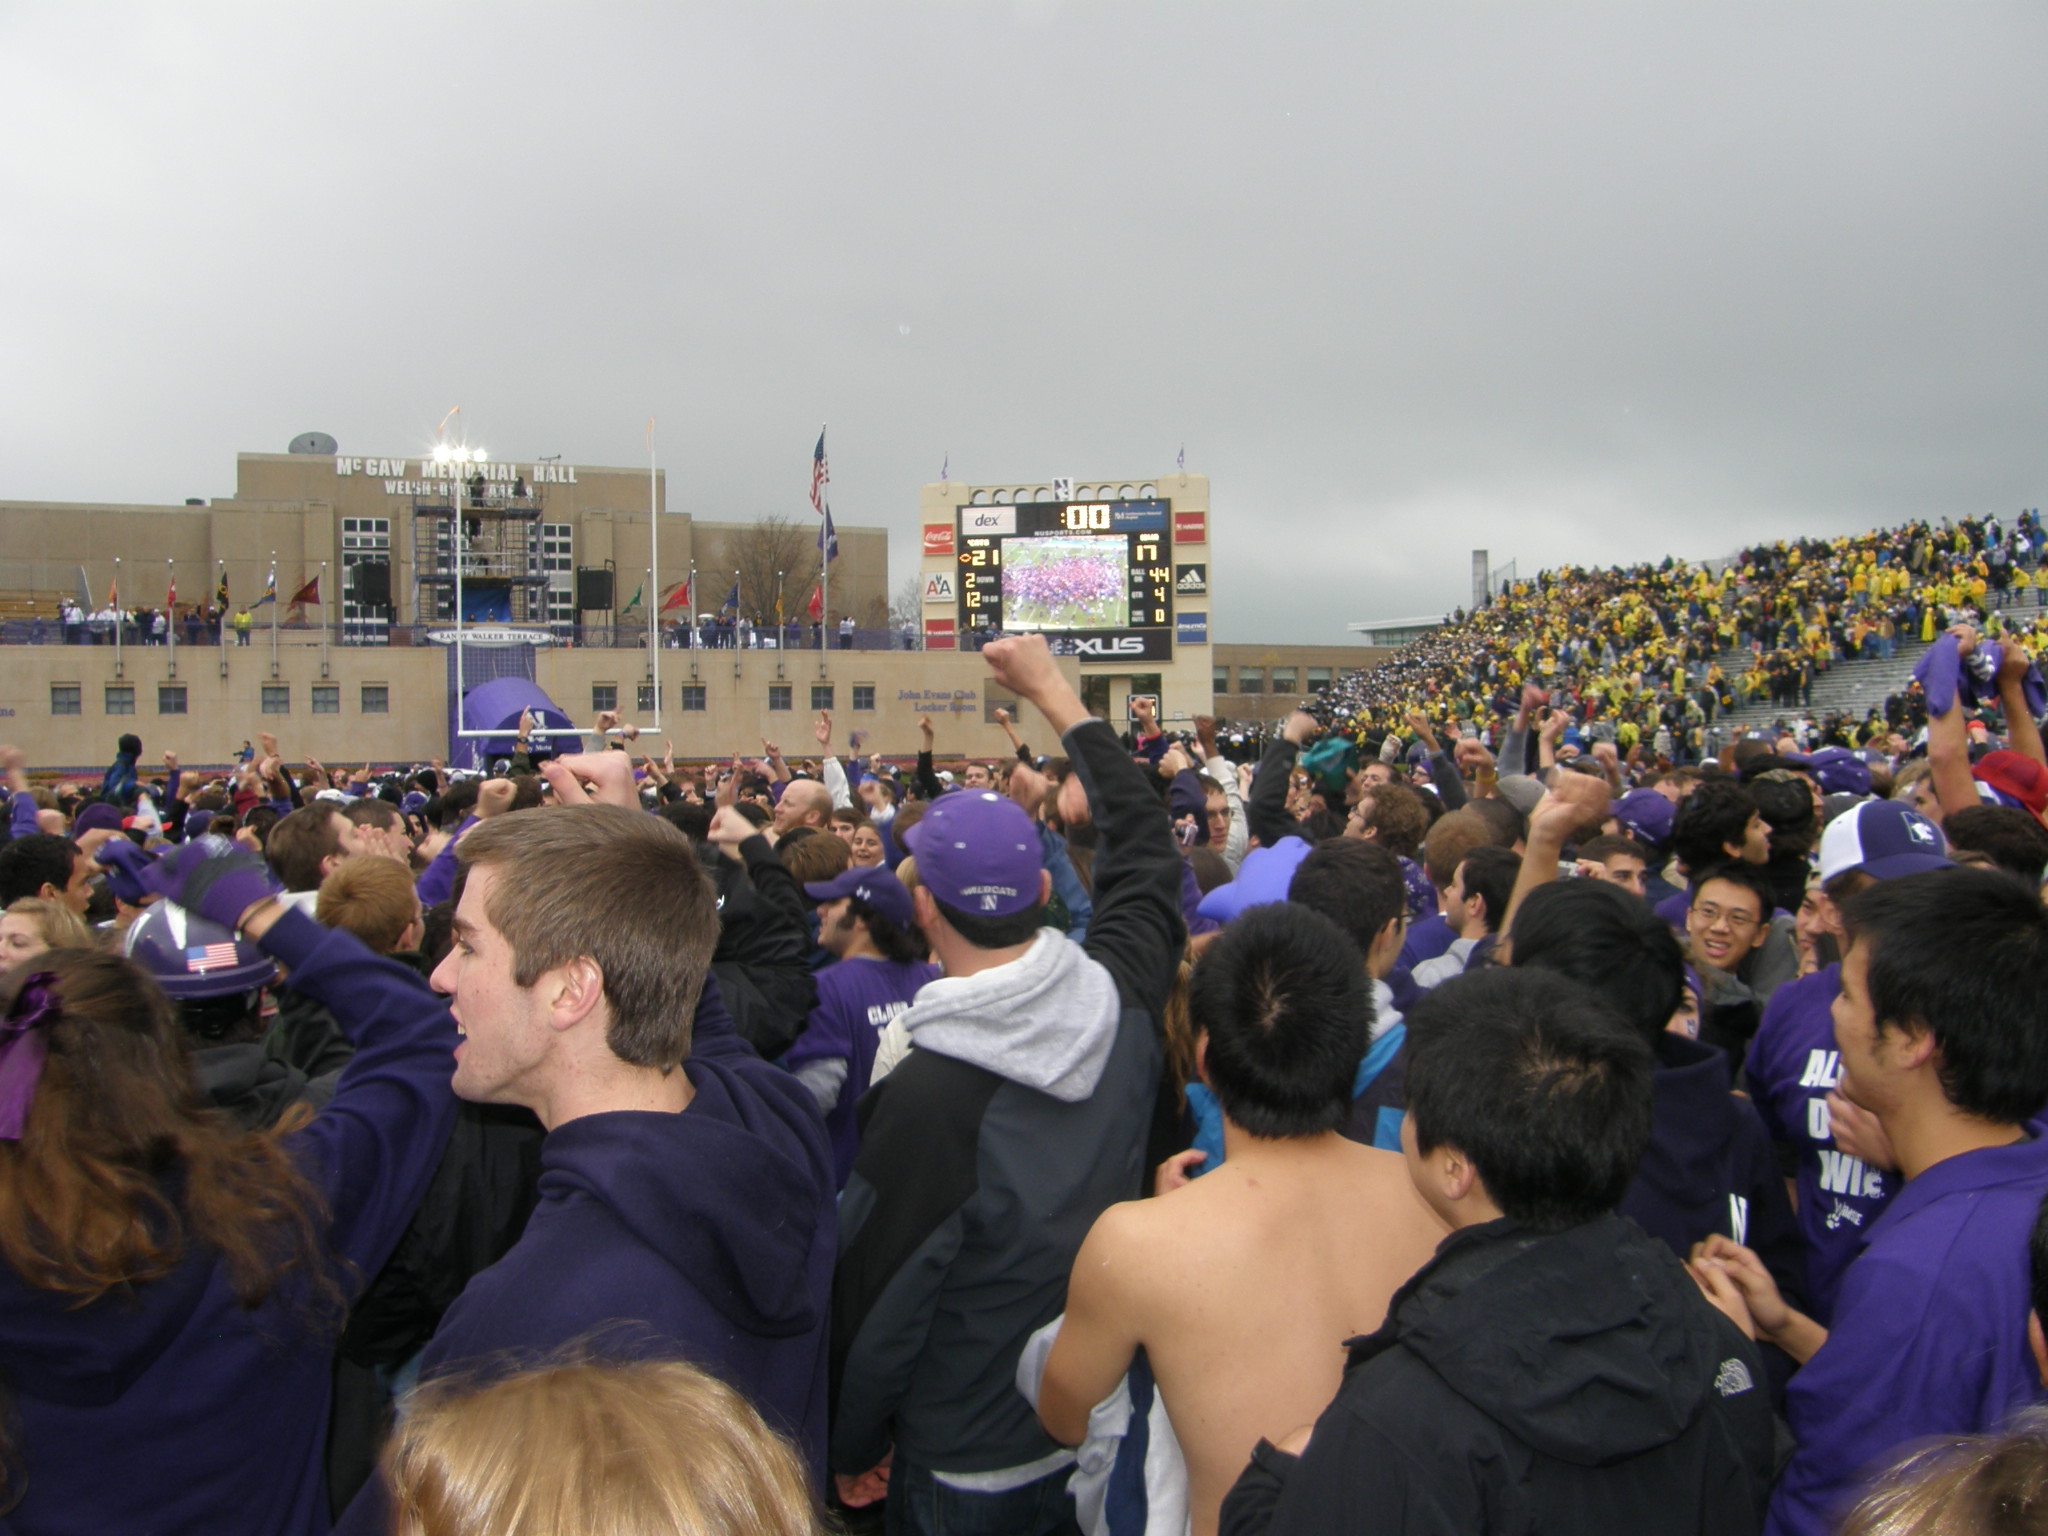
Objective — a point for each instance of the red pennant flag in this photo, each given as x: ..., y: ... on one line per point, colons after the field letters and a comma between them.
x: 309, y: 593
x: 816, y: 607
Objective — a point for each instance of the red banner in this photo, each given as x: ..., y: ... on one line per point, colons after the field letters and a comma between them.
x: 1190, y: 527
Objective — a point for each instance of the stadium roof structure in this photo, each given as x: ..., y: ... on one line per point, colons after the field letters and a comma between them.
x: 1395, y: 631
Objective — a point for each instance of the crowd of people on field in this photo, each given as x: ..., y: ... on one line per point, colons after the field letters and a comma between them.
x: 1459, y: 1119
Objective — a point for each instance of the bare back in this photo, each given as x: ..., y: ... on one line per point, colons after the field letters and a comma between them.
x: 1252, y: 1279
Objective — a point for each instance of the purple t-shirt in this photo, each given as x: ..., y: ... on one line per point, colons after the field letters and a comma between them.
x: 856, y: 1000
x: 1792, y: 1064
x: 1930, y: 1332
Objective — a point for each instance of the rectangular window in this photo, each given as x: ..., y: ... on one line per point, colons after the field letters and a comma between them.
x: 1251, y: 679
x: 65, y: 699
x: 1219, y: 680
x: 646, y: 699
x: 863, y: 697
x: 170, y: 698
x: 692, y: 702
x: 821, y: 696
x: 277, y: 698
x: 778, y: 696
x: 120, y: 698
x: 603, y: 696
x: 1318, y: 679
x: 327, y: 698
x: 376, y: 699
x: 1283, y: 679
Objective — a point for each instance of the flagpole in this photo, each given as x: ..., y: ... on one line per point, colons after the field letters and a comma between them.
x: 220, y: 629
x: 273, y: 613
x: 692, y: 589
x: 116, y: 606
x: 171, y: 616
x: 319, y: 596
x: 653, y: 577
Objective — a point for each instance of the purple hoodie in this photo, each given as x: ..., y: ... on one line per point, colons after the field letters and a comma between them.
x: 706, y: 1236
x: 171, y: 1409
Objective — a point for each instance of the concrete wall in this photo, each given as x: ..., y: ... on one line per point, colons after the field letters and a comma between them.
x: 1231, y: 662
x: 224, y: 700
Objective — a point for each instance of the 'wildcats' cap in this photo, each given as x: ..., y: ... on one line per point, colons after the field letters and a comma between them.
x: 876, y: 886
x: 1883, y: 838
x: 977, y: 852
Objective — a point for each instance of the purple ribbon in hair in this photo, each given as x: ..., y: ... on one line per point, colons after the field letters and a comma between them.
x: 22, y: 1049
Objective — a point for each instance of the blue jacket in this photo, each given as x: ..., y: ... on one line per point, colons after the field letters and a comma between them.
x: 171, y: 1409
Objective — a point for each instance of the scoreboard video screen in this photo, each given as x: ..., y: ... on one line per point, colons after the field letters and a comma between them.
x: 1095, y: 578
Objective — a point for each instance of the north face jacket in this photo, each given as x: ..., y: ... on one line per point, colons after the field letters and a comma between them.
x: 1527, y: 1382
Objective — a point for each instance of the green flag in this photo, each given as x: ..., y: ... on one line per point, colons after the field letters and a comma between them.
x: 635, y: 602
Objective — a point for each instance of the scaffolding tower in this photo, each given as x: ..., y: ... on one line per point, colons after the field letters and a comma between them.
x: 502, y: 574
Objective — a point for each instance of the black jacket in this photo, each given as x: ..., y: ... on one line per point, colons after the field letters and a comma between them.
x: 763, y: 958
x: 972, y: 1190
x: 254, y: 1090
x: 1570, y: 1382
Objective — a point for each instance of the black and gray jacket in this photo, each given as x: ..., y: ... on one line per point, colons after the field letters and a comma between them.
x: 1533, y: 1382
x: 1018, y: 1117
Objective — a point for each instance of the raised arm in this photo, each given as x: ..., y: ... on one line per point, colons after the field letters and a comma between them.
x: 1266, y: 806
x: 1137, y: 931
x: 928, y: 783
x: 2022, y: 731
x: 1573, y: 801
x: 1010, y: 730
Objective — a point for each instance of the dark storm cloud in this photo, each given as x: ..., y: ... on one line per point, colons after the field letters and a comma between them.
x: 1568, y: 283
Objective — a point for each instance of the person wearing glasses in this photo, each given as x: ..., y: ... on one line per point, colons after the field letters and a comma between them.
x: 1726, y: 925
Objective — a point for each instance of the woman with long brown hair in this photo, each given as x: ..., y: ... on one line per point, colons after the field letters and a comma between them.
x: 170, y: 1287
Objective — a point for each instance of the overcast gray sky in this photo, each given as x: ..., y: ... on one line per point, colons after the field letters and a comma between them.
x: 1588, y: 283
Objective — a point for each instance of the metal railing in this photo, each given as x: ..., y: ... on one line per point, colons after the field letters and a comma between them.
x: 360, y: 633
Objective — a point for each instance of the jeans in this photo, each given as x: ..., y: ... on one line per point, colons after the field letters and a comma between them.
x: 921, y: 1505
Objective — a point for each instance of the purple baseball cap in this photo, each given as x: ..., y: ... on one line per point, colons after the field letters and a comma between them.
x: 977, y: 852
x: 1837, y: 770
x: 1647, y: 817
x: 96, y: 816
x: 877, y: 886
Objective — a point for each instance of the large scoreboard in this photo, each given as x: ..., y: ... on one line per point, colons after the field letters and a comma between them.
x: 1096, y: 578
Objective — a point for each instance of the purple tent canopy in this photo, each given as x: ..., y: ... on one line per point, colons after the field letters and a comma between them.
x: 496, y: 706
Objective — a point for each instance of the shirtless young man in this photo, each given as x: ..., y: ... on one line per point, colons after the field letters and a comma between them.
x: 1243, y: 1285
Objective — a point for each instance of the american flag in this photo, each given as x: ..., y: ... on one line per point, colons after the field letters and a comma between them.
x: 821, y: 474
x: 211, y: 957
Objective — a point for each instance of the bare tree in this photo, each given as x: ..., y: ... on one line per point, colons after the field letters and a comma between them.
x: 907, y: 607
x: 772, y: 552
